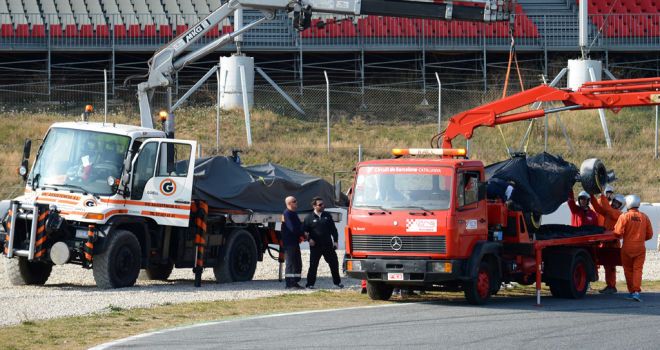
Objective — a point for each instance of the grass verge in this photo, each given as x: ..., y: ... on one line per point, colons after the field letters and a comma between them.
x: 65, y: 333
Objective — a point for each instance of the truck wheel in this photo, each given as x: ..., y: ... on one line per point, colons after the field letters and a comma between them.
x: 119, y: 265
x: 240, y: 259
x: 593, y: 176
x: 21, y: 272
x: 577, y: 284
x: 159, y: 272
x: 478, y: 290
x: 379, y: 291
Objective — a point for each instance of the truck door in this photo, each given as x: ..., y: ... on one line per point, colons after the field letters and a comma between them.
x: 162, y: 181
x: 470, y: 212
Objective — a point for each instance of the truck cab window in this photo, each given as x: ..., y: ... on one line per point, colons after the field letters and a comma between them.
x: 174, y: 160
x: 144, y: 169
x: 468, y: 189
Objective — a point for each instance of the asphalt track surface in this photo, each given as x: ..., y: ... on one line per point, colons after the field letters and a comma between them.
x: 596, y: 322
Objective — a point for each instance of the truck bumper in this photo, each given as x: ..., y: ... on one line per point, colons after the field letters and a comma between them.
x: 403, y: 271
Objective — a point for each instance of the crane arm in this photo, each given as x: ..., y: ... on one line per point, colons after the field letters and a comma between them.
x: 612, y: 94
x: 169, y: 59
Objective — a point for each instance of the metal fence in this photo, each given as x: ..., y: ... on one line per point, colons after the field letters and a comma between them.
x: 147, y: 32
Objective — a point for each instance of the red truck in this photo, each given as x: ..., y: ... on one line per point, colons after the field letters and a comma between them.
x: 425, y: 223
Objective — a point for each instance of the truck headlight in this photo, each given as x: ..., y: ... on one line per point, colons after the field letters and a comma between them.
x: 354, y: 265
x: 440, y: 266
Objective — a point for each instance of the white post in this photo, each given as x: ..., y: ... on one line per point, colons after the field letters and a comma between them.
x: 359, y: 152
x: 327, y: 106
x: 217, y: 112
x: 105, y: 96
x: 439, y: 102
x: 246, y: 107
x: 583, y: 17
x: 655, y: 156
x: 601, y: 112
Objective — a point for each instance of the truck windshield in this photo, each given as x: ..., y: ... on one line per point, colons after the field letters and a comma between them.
x: 413, y: 187
x: 79, y: 160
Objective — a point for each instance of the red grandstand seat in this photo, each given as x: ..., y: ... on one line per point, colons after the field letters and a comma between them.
x: 180, y: 28
x: 38, y: 31
x: 134, y: 31
x: 348, y: 29
x: 86, y: 30
x: 102, y: 30
x: 22, y: 30
x: 7, y: 30
x: 165, y: 31
x: 213, y: 32
x: 119, y: 31
x: 332, y: 28
x: 149, y: 30
x: 307, y: 33
x: 408, y: 27
x: 227, y: 29
x: 55, y: 31
x: 364, y: 28
x: 70, y: 31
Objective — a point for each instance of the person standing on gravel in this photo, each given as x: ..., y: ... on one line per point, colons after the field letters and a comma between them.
x: 635, y: 229
x: 291, y: 235
x: 323, y: 238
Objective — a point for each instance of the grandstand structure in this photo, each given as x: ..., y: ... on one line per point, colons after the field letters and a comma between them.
x: 41, y: 37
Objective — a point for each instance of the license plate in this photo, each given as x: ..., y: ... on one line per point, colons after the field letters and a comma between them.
x: 395, y: 277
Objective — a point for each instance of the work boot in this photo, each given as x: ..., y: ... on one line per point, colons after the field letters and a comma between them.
x: 636, y: 297
x: 608, y: 290
x: 630, y: 296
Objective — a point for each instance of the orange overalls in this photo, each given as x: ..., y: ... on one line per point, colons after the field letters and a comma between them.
x: 608, y: 217
x: 635, y: 228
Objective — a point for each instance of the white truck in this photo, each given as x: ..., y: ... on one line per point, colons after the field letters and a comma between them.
x: 119, y: 198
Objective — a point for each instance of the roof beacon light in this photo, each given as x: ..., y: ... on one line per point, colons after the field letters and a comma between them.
x: 89, y: 108
x: 452, y: 152
x: 162, y: 116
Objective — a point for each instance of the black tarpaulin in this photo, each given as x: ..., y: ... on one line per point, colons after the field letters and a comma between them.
x: 227, y: 185
x: 541, y: 182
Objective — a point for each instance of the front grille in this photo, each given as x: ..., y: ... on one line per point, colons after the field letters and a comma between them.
x: 418, y: 244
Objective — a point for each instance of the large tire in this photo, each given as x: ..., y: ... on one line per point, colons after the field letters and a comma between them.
x: 593, y: 176
x: 532, y: 222
x: 379, y: 291
x: 21, y: 272
x: 478, y: 290
x: 159, y: 272
x: 240, y: 259
x: 577, y: 284
x: 119, y: 264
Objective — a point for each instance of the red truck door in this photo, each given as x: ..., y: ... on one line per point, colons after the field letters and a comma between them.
x: 471, y: 224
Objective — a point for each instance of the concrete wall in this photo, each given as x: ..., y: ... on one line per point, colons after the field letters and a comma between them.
x: 563, y: 216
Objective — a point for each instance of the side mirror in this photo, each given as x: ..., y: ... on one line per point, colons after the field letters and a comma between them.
x: 337, y: 191
x: 481, y: 190
x: 23, y: 168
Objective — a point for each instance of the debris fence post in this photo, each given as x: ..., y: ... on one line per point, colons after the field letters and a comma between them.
x: 105, y: 96
x: 327, y: 106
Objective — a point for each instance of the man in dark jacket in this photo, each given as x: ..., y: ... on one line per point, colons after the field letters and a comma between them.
x: 323, y: 238
x: 291, y: 235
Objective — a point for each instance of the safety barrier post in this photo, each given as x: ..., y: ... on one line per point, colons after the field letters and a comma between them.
x: 88, y: 248
x: 201, y: 210
x: 9, y: 216
x: 39, y: 246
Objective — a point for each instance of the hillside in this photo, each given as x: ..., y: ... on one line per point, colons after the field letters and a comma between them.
x: 302, y: 145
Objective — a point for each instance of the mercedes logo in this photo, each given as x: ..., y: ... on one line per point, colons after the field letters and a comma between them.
x: 396, y: 243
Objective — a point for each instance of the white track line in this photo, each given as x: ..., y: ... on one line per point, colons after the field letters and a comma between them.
x: 175, y: 329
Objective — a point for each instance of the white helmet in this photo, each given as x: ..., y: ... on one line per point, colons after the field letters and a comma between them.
x: 583, y: 194
x: 632, y: 201
x: 608, y: 188
x: 619, y: 198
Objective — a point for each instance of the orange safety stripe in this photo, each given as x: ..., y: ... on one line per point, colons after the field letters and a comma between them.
x: 146, y: 204
x: 116, y: 211
x: 79, y: 213
x: 88, y: 256
x: 60, y: 195
x: 166, y: 215
x: 40, y: 253
x: 42, y: 216
x: 41, y: 229
x: 54, y: 200
x: 89, y: 245
x: 201, y: 224
x: 41, y: 241
x: 199, y: 239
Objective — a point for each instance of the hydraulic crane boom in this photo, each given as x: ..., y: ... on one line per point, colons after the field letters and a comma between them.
x: 167, y: 60
x: 612, y: 94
